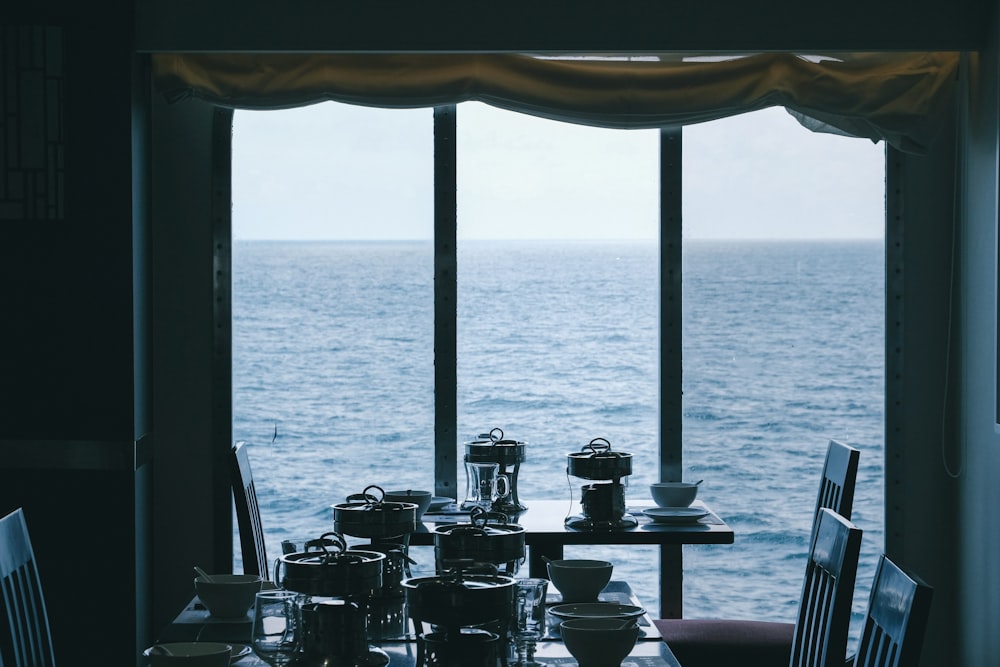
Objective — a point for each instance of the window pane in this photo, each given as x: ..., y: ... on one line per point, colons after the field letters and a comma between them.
x: 332, y: 307
x: 558, y: 299
x: 783, y: 348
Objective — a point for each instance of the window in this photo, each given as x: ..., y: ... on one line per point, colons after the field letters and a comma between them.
x: 557, y: 341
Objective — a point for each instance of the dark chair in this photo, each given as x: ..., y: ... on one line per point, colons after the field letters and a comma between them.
x: 819, y: 635
x: 896, y: 620
x: 248, y: 514
x: 25, y: 640
x: 708, y: 642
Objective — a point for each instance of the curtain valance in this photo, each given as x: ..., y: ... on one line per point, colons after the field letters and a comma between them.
x: 901, y: 98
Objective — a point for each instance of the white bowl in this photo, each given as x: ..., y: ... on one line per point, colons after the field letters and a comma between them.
x: 228, y: 595
x: 673, y: 494
x: 422, y: 499
x: 599, y: 642
x: 189, y: 654
x: 578, y: 579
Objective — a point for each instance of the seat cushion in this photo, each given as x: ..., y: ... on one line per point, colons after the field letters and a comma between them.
x: 718, y: 642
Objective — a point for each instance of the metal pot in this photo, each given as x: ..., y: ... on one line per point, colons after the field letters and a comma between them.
x: 479, y: 542
x: 373, y: 518
x: 459, y: 599
x: 331, y: 570
x: 493, y: 448
x: 597, y: 461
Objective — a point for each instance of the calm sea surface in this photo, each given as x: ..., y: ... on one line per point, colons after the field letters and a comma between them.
x: 557, y: 344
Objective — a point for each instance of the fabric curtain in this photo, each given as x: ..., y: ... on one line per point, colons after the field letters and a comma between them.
x: 901, y: 98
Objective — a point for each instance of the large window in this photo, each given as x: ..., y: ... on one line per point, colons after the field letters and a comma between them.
x: 557, y: 318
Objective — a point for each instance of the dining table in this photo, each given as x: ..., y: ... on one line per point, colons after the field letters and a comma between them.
x: 399, y: 641
x: 546, y: 535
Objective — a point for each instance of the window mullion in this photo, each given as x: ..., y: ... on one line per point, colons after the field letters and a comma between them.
x: 445, y: 302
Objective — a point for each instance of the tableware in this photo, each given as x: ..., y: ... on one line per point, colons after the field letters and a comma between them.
x: 595, y: 610
x: 674, y: 494
x: 189, y: 654
x: 275, y: 633
x: 529, y: 619
x: 676, y: 515
x: 579, y: 580
x: 439, y: 502
x: 484, y: 485
x: 228, y: 595
x: 422, y: 499
x: 598, y: 642
x: 239, y: 652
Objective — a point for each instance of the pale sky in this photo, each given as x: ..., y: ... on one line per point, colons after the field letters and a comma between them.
x: 333, y: 171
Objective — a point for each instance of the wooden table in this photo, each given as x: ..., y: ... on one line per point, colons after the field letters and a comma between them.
x: 195, y: 624
x: 546, y: 534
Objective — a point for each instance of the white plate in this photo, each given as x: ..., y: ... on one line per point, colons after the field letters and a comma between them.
x: 675, y: 514
x: 437, y: 502
x: 595, y: 610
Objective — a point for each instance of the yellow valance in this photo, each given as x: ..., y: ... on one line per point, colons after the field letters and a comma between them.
x: 901, y: 98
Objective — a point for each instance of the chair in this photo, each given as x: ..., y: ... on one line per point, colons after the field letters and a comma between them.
x: 25, y: 640
x: 840, y: 472
x: 707, y: 642
x: 819, y: 635
x: 896, y: 619
x: 248, y: 514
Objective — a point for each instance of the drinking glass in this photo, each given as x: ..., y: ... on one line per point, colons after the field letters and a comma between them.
x: 529, y: 622
x: 275, y: 637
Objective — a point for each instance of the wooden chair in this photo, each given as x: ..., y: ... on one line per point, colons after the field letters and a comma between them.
x: 708, y: 642
x: 898, y: 608
x: 819, y: 635
x: 25, y: 640
x: 840, y: 472
x: 248, y: 514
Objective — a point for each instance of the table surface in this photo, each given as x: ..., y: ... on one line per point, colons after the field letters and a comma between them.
x: 544, y: 523
x: 195, y: 624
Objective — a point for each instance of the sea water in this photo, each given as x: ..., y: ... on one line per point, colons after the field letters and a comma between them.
x: 557, y: 343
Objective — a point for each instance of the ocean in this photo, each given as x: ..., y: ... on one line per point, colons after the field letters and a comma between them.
x: 783, y: 345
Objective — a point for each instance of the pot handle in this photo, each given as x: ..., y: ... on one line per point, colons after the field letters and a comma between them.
x: 496, y: 434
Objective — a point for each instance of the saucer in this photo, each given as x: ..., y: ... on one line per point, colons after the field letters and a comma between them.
x: 675, y: 514
x: 437, y: 502
x: 595, y: 610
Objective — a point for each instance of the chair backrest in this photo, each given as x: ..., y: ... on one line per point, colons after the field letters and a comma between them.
x: 896, y: 620
x: 25, y: 640
x: 248, y: 514
x: 836, y: 487
x: 820, y: 636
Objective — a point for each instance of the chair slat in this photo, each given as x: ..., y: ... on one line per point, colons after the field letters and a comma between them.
x: 27, y: 641
x: 896, y: 619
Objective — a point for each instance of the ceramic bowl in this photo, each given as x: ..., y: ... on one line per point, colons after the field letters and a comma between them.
x: 422, y: 499
x: 599, y: 642
x: 189, y: 654
x: 673, y: 494
x: 579, y: 580
x: 228, y: 595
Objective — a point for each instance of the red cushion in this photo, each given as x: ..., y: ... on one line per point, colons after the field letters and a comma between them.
x: 711, y: 642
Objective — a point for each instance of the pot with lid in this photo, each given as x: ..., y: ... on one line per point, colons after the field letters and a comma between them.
x: 337, y: 584
x: 500, y: 543
x: 372, y: 517
x: 603, y: 501
x: 471, y: 595
x: 508, y: 454
x: 327, y: 568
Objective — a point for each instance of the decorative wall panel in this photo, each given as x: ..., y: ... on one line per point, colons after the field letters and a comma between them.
x: 32, y: 102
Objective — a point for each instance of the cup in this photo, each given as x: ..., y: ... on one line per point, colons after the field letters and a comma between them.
x: 529, y: 619
x: 484, y: 485
x: 275, y: 632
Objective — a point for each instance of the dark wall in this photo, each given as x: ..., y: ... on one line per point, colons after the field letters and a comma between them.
x: 73, y: 371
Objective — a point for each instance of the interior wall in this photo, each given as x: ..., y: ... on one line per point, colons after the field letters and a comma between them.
x: 979, y: 444
x: 192, y: 498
